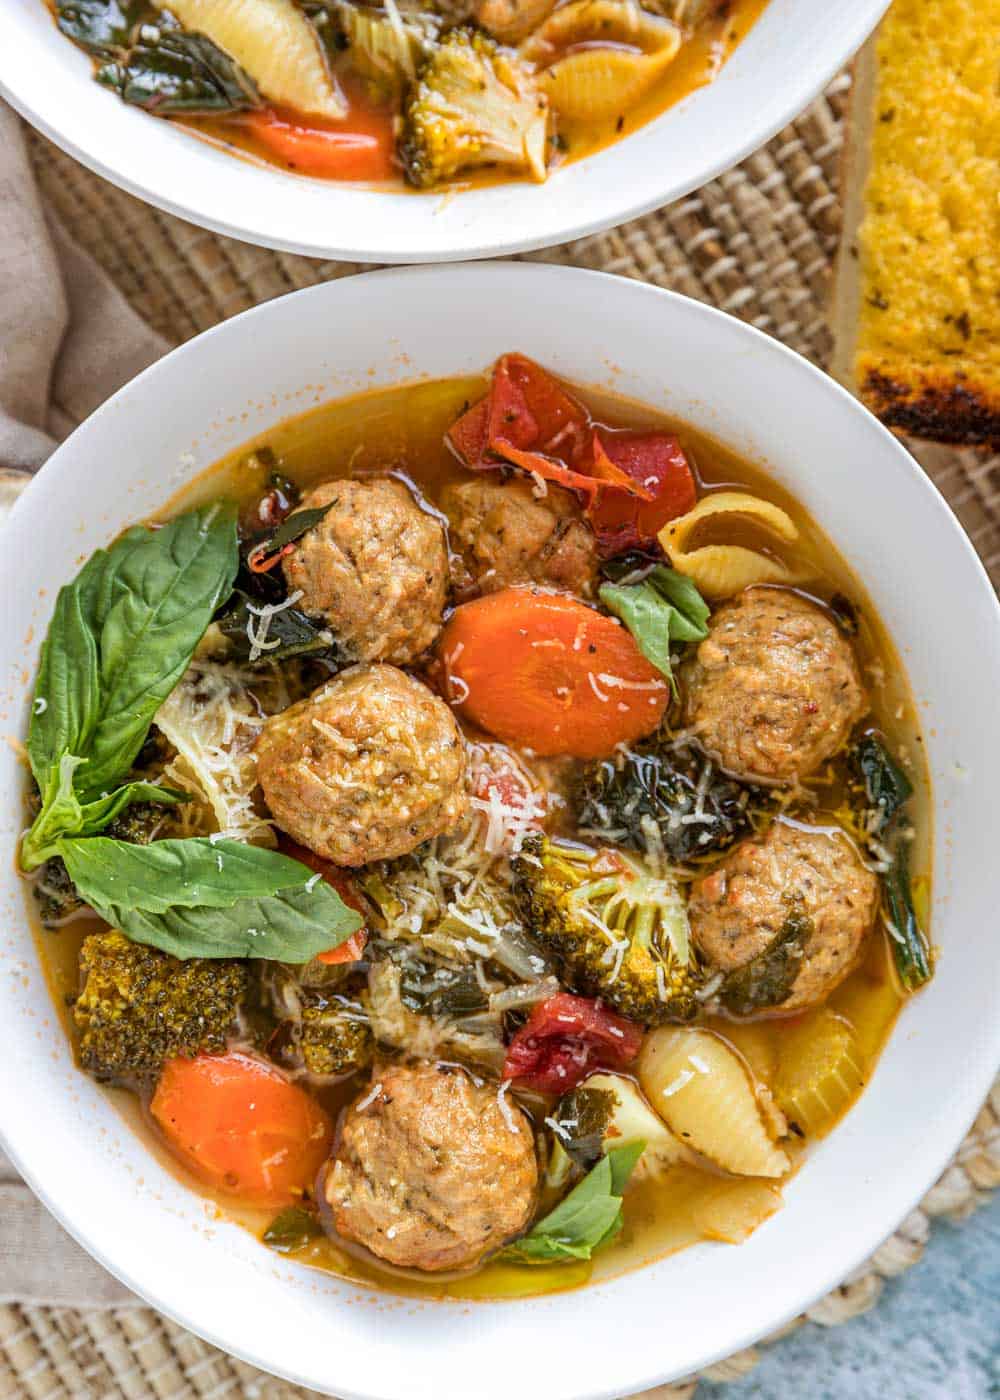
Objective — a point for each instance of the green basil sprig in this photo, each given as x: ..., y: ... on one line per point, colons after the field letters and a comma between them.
x: 589, y: 1217
x: 205, y: 898
x: 659, y: 608
x: 121, y: 637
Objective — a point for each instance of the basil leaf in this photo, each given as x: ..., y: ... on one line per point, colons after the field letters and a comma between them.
x: 68, y: 689
x: 120, y: 639
x: 161, y: 599
x: 122, y: 635
x: 62, y: 812
x: 661, y: 608
x: 102, y: 26
x: 182, y: 872
x: 201, y: 899
x: 589, y: 1217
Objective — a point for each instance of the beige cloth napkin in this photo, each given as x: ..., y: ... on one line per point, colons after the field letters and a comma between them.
x: 68, y: 340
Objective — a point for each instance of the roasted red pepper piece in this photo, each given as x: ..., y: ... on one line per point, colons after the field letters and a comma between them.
x: 663, y: 488
x: 632, y: 483
x: 566, y: 1038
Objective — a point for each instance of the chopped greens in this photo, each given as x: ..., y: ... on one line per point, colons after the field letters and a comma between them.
x: 291, y: 1229
x: 170, y: 71
x: 151, y: 62
x: 767, y: 979
x: 672, y: 796
x: 103, y: 26
x: 583, y: 1117
x: 887, y: 788
x: 589, y: 1217
x: 887, y: 791
x: 295, y: 633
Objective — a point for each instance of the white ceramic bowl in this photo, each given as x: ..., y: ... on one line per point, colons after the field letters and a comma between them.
x: 683, y: 1312
x: 793, y: 50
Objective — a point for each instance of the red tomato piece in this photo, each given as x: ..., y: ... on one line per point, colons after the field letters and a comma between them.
x: 567, y: 1038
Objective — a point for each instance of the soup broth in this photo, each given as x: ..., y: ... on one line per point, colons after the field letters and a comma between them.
x: 402, y: 432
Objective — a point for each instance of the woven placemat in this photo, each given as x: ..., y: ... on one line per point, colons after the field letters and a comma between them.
x: 757, y: 242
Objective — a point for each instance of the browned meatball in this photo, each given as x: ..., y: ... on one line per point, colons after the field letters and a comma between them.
x: 375, y: 567
x: 432, y: 1171
x: 365, y: 768
x: 774, y: 688
x: 813, y: 874
x: 507, y: 536
x: 510, y: 21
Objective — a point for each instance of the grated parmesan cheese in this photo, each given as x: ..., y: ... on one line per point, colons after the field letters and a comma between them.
x: 369, y: 1098
x: 504, y: 1106
x: 212, y: 720
x: 258, y: 639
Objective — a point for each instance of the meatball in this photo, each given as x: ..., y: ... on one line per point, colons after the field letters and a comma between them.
x: 774, y: 688
x: 510, y: 21
x: 364, y: 769
x: 375, y: 568
x: 431, y: 1170
x: 811, y: 873
x: 507, y: 536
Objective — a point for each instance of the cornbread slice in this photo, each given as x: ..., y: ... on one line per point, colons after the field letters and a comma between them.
x: 918, y: 319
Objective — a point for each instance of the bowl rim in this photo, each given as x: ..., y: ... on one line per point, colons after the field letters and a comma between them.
x: 959, y: 1113
x: 804, y: 81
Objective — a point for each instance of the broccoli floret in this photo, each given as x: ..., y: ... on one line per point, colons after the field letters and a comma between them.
x: 322, y: 1027
x: 617, y: 931
x: 55, y: 892
x: 677, y: 799
x: 139, y: 1007
x: 473, y: 105
x: 334, y: 1038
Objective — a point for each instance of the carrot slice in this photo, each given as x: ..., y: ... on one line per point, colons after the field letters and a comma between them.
x: 358, y: 148
x: 632, y: 483
x: 544, y: 672
x: 238, y: 1124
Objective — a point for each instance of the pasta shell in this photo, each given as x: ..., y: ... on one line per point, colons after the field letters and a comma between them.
x: 721, y: 570
x: 703, y: 1091
x: 820, y: 1071
x: 598, y: 57
x: 755, y: 1043
x: 276, y: 44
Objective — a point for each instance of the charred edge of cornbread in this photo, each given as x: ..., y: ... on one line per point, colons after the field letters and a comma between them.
x: 941, y: 405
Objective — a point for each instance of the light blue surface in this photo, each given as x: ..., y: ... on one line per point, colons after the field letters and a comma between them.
x: 934, y: 1333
